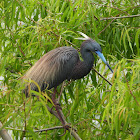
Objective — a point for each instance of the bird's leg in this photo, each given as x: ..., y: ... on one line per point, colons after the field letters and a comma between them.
x: 60, y: 113
x: 57, y: 107
x: 55, y: 101
x: 62, y: 87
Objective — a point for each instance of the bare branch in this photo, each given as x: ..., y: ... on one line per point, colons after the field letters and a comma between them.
x: 131, y: 16
x: 52, y: 128
x: 71, y: 130
x: 101, y: 76
x: 105, y: 27
x: 41, y: 130
x: 52, y: 112
x: 111, y: 7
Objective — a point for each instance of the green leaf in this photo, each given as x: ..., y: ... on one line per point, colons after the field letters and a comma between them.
x: 137, y: 38
x: 2, y: 65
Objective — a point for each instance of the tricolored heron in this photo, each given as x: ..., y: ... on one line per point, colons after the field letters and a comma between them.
x: 63, y: 63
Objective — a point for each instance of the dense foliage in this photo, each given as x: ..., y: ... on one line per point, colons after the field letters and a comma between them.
x: 30, y: 28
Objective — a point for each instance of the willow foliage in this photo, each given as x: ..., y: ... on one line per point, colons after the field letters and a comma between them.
x: 96, y: 109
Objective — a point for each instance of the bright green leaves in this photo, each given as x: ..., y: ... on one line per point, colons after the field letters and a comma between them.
x: 31, y: 28
x: 123, y: 101
x: 137, y: 41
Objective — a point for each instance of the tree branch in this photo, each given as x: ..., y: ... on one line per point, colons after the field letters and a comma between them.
x: 131, y: 16
x: 111, y: 7
x: 4, y: 134
x: 41, y: 130
x: 52, y: 128
x: 101, y: 76
x: 52, y: 112
x: 71, y: 130
x: 105, y: 27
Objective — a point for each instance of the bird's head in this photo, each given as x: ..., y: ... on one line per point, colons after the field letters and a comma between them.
x: 94, y: 47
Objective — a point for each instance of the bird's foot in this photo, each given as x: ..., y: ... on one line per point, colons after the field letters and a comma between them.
x: 66, y: 127
x: 57, y: 105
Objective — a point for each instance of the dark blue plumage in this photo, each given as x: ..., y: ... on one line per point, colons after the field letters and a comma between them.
x: 63, y: 64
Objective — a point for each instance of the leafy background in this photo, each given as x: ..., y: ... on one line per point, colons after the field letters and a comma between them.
x: 97, y: 110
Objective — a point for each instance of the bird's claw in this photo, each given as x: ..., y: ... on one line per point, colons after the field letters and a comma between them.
x: 57, y: 105
x: 63, y: 133
x: 66, y: 127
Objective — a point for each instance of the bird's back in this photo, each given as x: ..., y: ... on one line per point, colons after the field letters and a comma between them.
x: 53, y: 68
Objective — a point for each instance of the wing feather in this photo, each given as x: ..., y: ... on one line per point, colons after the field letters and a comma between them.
x: 53, y: 68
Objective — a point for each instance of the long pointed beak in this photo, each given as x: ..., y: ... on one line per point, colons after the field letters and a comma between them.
x: 103, y: 58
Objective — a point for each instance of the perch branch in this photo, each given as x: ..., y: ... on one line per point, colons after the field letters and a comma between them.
x: 5, y: 136
x: 52, y: 128
x: 41, y: 130
x: 71, y: 130
x: 52, y: 112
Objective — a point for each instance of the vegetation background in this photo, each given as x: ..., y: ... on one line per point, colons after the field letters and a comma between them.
x: 30, y: 28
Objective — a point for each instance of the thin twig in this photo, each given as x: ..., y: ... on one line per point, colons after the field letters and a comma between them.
x: 105, y: 27
x: 52, y: 111
x: 130, y: 90
x: 20, y: 4
x: 133, y: 8
x: 112, y: 21
x: 131, y: 16
x: 41, y: 130
x: 25, y: 123
x: 101, y: 76
x: 111, y: 7
x: 21, y: 51
x: 52, y: 128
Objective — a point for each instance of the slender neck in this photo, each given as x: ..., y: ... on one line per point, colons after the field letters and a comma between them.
x: 87, y: 56
x: 82, y: 68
